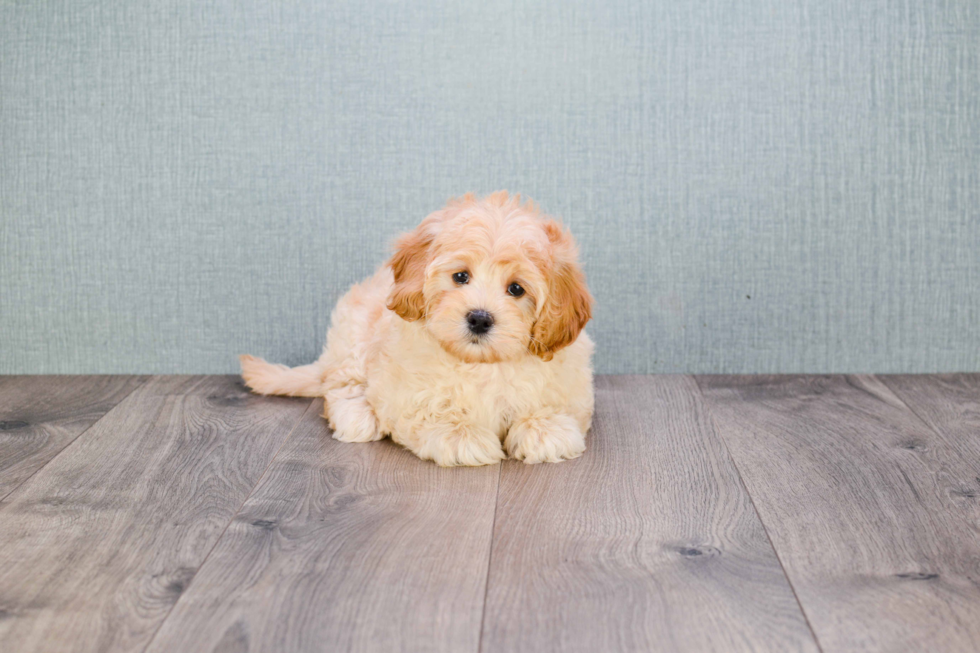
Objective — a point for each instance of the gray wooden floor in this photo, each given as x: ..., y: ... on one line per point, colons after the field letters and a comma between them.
x: 789, y: 513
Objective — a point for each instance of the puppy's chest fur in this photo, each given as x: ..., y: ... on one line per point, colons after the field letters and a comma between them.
x: 418, y: 382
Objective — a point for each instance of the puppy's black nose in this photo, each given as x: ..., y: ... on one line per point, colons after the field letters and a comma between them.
x: 479, y: 322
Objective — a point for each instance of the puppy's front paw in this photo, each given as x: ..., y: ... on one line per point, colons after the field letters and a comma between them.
x: 450, y: 447
x: 545, y: 439
x: 352, y: 420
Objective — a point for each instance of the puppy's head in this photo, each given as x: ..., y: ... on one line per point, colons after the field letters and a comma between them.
x: 492, y: 280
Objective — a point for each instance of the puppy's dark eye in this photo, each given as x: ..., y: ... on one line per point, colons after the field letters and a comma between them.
x: 461, y: 277
x: 515, y: 290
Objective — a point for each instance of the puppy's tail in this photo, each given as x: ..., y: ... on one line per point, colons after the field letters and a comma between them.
x: 270, y: 379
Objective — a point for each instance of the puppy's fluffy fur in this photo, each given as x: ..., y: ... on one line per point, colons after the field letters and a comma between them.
x: 400, y: 359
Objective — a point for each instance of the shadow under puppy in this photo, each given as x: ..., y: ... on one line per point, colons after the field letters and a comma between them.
x: 466, y: 345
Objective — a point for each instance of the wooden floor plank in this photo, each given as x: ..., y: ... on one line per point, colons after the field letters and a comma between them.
x: 859, y: 497
x: 97, y: 546
x: 950, y: 404
x: 41, y: 415
x: 647, y: 542
x: 345, y: 547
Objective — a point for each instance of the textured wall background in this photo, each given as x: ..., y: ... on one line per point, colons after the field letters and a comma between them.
x: 757, y: 186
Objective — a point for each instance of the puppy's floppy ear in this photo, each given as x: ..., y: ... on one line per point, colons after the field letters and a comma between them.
x: 408, y: 263
x: 568, y: 305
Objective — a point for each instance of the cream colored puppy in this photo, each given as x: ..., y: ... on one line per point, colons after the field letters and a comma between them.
x: 465, y: 345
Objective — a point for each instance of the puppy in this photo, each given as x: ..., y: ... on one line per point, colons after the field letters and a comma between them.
x: 467, y: 346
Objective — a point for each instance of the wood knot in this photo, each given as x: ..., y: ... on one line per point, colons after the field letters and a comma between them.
x: 176, y: 587
x: 698, y: 551
x: 228, y: 400
x: 917, y: 575
x: 13, y: 425
x: 336, y: 474
x: 343, y: 501
x: 174, y: 583
x: 913, y: 445
x: 265, y: 524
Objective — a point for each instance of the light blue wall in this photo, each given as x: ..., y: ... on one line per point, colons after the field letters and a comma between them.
x: 757, y: 186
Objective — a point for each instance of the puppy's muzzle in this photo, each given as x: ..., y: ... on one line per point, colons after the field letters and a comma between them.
x: 479, y: 322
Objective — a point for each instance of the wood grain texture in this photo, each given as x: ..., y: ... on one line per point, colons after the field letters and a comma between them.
x: 647, y: 542
x: 950, y: 404
x: 860, y: 499
x: 345, y: 547
x: 41, y: 415
x: 98, y: 545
